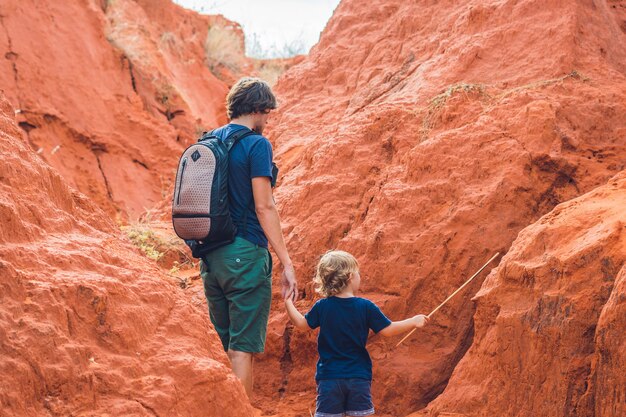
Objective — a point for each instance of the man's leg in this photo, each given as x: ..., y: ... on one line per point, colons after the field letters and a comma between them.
x: 242, y: 364
x: 243, y: 272
x: 218, y: 304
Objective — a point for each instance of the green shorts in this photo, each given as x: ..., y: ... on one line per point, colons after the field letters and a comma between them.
x: 237, y: 282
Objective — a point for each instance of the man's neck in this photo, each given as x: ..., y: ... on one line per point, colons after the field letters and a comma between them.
x: 244, y: 121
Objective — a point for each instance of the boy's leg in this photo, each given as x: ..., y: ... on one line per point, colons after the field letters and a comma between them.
x: 330, y: 398
x: 359, y: 398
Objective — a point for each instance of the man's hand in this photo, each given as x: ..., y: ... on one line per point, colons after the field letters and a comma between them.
x: 289, y: 283
x: 420, y: 320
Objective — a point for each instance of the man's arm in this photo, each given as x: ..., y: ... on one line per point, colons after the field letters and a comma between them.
x: 399, y: 327
x: 270, y: 222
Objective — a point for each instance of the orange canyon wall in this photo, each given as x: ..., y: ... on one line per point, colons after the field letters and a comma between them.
x: 549, y: 321
x: 102, y: 96
x: 110, y: 91
x: 88, y: 325
x: 423, y: 137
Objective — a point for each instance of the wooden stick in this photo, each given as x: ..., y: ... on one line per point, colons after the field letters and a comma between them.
x: 452, y: 295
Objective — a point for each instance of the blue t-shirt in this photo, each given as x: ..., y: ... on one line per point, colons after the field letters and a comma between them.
x: 344, y: 326
x: 250, y: 157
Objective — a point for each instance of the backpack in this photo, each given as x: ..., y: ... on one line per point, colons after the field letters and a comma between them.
x: 200, y: 211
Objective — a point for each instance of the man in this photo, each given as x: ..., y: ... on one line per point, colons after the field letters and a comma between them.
x: 238, y: 277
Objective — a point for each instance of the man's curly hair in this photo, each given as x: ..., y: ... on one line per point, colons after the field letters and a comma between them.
x: 333, y: 272
x: 249, y: 95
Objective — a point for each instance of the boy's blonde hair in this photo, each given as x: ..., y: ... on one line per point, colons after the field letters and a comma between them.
x: 333, y: 272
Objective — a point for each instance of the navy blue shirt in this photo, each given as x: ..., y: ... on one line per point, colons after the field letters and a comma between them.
x: 249, y: 158
x: 344, y: 326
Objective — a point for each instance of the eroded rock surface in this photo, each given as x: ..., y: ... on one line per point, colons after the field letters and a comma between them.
x: 88, y: 325
x: 549, y: 322
x: 423, y: 139
x: 109, y: 92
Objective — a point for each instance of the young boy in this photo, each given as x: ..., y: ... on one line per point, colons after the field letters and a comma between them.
x: 344, y: 368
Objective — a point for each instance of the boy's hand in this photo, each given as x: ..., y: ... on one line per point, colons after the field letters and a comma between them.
x: 420, y: 320
x: 291, y: 297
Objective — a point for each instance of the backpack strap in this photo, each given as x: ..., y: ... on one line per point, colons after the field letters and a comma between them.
x: 206, y: 135
x: 236, y: 137
x: 230, y: 141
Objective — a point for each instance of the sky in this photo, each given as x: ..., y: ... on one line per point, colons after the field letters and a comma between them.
x: 273, y: 28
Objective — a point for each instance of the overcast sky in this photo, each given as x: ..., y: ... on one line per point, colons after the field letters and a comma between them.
x: 277, y: 25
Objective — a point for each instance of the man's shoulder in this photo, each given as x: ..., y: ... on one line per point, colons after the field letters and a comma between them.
x: 250, y: 141
x: 257, y: 139
x: 231, y: 128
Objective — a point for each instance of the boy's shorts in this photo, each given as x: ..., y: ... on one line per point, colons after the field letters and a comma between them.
x: 237, y: 282
x: 344, y: 397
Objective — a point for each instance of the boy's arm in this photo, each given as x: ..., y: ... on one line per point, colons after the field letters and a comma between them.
x: 296, y: 318
x: 399, y: 327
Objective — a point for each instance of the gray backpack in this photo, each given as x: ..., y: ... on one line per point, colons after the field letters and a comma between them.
x: 200, y: 212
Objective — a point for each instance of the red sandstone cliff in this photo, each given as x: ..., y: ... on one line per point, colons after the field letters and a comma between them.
x: 420, y: 136
x: 423, y: 137
x: 89, y: 326
x: 110, y: 91
x: 549, y: 322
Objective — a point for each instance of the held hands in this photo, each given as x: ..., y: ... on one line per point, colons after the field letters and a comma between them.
x: 420, y: 320
x: 289, y: 283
